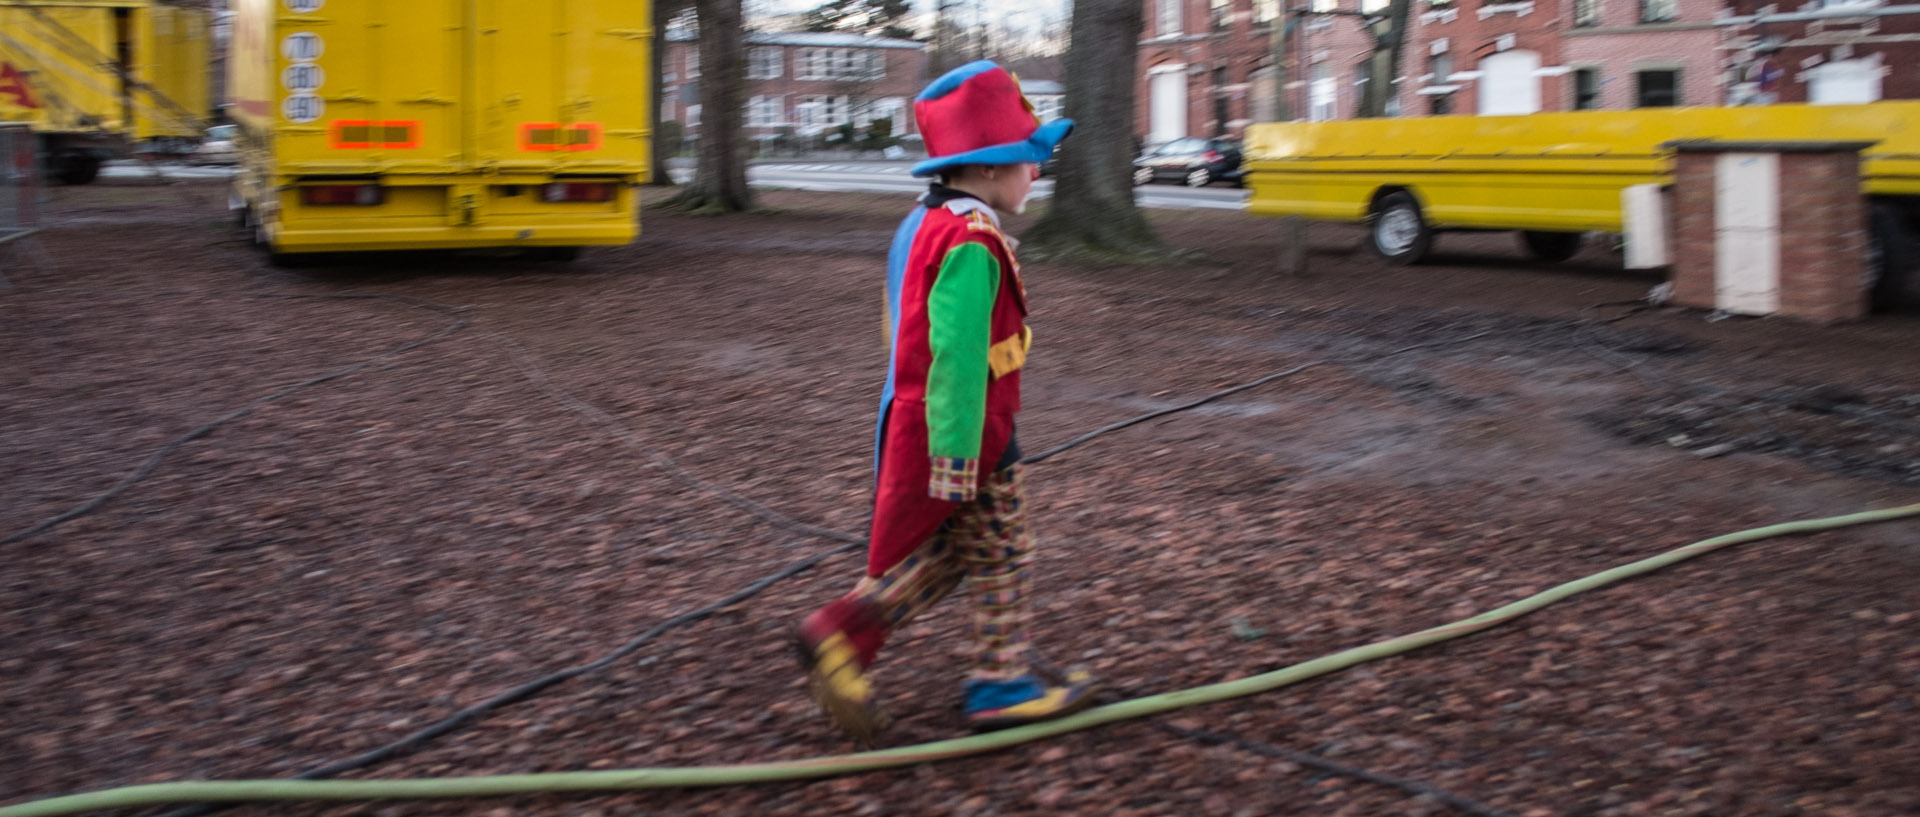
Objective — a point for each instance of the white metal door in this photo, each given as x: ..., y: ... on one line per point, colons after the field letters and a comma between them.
x: 1168, y: 114
x: 1746, y: 217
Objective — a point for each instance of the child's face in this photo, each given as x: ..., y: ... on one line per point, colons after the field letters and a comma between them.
x: 1005, y: 187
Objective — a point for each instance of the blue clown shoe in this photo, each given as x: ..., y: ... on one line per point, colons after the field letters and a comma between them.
x: 1028, y: 699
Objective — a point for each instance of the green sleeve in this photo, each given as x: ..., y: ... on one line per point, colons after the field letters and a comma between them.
x: 959, y: 317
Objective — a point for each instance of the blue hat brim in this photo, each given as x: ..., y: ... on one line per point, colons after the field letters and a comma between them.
x: 1035, y: 148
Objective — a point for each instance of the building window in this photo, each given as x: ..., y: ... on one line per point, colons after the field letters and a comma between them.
x: 693, y: 116
x: 693, y: 61
x: 1657, y: 89
x: 1326, y: 5
x: 815, y: 112
x: 1046, y: 108
x: 1442, y: 104
x: 1323, y: 94
x: 1265, y: 12
x: 866, y: 65
x: 763, y: 62
x: 1659, y: 11
x: 766, y: 111
x: 1586, y: 89
x: 1586, y: 13
x: 1169, y: 19
x: 1371, y: 6
x: 1440, y: 4
x: 1442, y: 68
x: 1222, y: 14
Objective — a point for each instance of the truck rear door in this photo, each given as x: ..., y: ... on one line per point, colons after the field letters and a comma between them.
x: 560, y: 86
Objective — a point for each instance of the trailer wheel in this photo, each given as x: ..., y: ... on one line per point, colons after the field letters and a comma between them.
x: 1551, y: 247
x: 1398, y: 231
x: 1890, y: 256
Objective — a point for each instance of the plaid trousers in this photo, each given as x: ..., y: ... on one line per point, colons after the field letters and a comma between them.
x: 986, y: 544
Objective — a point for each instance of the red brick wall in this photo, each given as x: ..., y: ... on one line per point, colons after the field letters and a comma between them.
x: 1823, y: 238
x: 1693, y: 230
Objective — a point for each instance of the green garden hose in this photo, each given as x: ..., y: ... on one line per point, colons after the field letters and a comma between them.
x: 705, y: 776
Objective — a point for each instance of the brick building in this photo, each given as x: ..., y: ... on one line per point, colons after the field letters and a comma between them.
x: 1642, y: 53
x: 1204, y: 68
x: 805, y: 84
x: 1490, y: 58
x: 1205, y: 64
x: 1837, y: 51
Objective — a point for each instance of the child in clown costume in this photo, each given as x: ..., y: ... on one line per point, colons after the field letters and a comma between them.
x: 947, y: 500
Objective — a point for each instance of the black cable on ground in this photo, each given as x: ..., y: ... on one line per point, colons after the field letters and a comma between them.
x: 535, y: 375
x: 531, y: 688
x: 1414, y: 787
x: 147, y: 466
x: 1089, y: 436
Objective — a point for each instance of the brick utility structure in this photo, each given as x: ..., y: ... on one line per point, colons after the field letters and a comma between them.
x: 1765, y: 228
x: 805, y: 83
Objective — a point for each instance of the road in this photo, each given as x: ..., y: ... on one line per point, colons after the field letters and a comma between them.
x: 891, y: 177
x: 828, y: 177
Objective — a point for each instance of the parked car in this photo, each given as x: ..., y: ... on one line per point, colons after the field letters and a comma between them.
x: 218, y: 148
x: 1192, y: 161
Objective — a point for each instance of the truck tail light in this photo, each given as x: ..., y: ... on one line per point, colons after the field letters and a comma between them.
x: 576, y: 191
x: 351, y: 195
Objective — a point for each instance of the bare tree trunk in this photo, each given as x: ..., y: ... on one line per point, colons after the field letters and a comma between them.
x: 1092, y: 213
x: 720, y: 174
x: 663, y: 10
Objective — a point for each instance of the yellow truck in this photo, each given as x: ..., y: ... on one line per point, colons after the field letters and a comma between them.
x: 368, y: 125
x: 102, y: 79
x: 1555, y: 176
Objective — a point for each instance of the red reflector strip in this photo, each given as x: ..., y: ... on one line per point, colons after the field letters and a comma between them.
x: 576, y: 191
x: 353, y: 195
x: 360, y: 134
x: 553, y: 136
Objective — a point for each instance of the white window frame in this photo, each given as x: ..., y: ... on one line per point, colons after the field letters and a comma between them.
x: 693, y: 61
x: 765, y: 61
x: 1167, y: 21
x: 693, y: 116
x: 767, y: 111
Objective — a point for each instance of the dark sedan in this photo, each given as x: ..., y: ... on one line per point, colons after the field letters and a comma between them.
x: 1192, y: 161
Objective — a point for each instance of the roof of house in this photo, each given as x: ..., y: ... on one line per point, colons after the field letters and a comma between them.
x: 818, y: 39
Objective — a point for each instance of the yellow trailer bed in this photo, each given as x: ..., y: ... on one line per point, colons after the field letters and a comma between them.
x: 1554, y: 176
x: 96, y: 79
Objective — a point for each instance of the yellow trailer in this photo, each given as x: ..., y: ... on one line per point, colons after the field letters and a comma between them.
x: 1553, y: 176
x: 99, y: 79
x: 369, y: 125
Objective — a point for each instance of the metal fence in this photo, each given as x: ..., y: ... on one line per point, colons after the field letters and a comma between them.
x: 19, y: 193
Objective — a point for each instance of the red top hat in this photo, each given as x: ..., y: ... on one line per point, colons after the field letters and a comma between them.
x: 976, y: 115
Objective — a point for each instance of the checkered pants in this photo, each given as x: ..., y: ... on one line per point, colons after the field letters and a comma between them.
x: 985, y: 543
